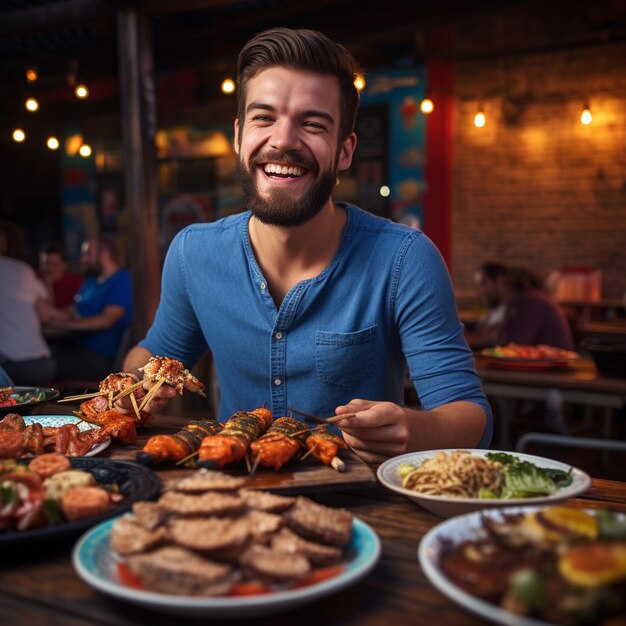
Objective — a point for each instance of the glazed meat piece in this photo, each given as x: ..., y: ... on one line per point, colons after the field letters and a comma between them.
x: 208, y: 503
x: 221, y: 539
x: 266, y: 501
x: 128, y: 537
x: 320, y: 523
x: 210, y: 480
x: 12, y: 421
x: 150, y: 515
x: 318, y: 554
x: 269, y: 565
x: 177, y: 571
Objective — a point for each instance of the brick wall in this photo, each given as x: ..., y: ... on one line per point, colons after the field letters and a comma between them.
x: 534, y: 186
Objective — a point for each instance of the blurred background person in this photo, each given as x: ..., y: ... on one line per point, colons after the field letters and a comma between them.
x: 24, y: 354
x: 62, y: 284
x: 531, y: 317
x: 102, y: 310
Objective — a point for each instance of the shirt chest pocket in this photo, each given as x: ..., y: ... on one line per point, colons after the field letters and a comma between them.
x: 345, y: 359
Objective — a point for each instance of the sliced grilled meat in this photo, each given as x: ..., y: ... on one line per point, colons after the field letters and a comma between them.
x: 320, y: 523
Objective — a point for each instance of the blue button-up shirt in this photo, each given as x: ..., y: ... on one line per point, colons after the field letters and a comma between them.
x: 385, y: 301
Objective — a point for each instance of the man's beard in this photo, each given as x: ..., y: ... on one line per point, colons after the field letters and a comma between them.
x: 280, y: 209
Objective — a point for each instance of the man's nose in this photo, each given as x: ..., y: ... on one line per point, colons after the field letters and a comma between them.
x: 285, y: 136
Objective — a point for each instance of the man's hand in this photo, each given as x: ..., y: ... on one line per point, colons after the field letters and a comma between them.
x: 376, y: 430
x: 156, y: 404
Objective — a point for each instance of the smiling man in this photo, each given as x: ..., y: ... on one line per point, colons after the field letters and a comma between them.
x: 309, y: 303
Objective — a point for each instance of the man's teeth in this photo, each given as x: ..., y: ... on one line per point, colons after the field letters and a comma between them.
x: 283, y: 170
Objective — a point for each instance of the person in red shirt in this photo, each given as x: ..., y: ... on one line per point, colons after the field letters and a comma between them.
x: 62, y: 285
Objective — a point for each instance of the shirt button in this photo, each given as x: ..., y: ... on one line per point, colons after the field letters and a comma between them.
x: 278, y: 335
x: 278, y: 381
x: 262, y: 285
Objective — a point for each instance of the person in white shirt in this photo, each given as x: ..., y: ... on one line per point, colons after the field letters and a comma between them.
x: 24, y: 353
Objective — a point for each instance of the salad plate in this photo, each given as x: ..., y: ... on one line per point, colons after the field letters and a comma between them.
x: 29, y: 398
x: 97, y: 565
x: 134, y: 481
x: 448, y: 506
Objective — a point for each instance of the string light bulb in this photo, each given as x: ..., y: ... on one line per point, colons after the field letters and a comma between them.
x: 479, y: 119
x: 585, y: 116
x: 228, y: 86
x: 31, y: 104
x: 52, y: 143
x: 85, y: 150
x: 359, y: 82
x: 427, y: 106
x: 31, y: 74
x: 18, y: 135
x: 81, y: 91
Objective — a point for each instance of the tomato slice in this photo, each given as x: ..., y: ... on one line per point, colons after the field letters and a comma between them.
x: 319, y: 575
x: 127, y: 578
x: 249, y: 589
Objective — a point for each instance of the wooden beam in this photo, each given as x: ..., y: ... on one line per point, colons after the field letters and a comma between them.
x: 138, y: 112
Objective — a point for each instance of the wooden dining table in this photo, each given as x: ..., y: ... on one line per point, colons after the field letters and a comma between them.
x: 38, y: 584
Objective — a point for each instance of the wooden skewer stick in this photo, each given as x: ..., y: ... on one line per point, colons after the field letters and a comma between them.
x: 247, y: 460
x: 188, y: 457
x: 304, y: 456
x: 322, y: 420
x: 133, y: 401
x: 84, y: 418
x: 338, y: 464
x: 255, y: 465
x: 125, y: 392
x: 152, y: 392
x: 80, y: 397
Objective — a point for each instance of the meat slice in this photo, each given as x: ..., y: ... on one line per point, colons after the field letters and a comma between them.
x: 318, y: 554
x: 271, y: 566
x: 221, y: 539
x: 262, y: 524
x: 266, y: 501
x: 209, y: 503
x: 320, y: 523
x: 128, y: 537
x: 177, y: 571
x: 209, y: 480
x: 150, y: 515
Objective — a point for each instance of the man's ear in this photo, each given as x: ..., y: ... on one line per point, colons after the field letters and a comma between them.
x: 236, y: 139
x: 347, y: 150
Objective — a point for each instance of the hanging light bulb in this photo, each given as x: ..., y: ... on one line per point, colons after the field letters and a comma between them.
x: 479, y: 119
x: 81, y: 91
x: 52, y: 143
x: 31, y: 104
x: 85, y: 150
x: 427, y: 106
x: 31, y: 74
x: 228, y: 86
x: 18, y: 135
x: 359, y: 82
x: 585, y: 116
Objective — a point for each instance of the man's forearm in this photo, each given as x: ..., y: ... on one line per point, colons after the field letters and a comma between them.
x: 137, y: 357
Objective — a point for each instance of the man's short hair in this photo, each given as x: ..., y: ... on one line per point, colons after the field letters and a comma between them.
x: 301, y: 49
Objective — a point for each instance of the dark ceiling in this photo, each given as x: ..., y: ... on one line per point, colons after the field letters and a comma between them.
x: 205, y: 35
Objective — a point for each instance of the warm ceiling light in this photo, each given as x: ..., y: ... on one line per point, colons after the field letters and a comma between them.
x: 85, y: 150
x: 19, y: 135
x: 427, y: 106
x: 52, y: 143
x: 384, y: 191
x: 585, y: 116
x: 81, y: 91
x: 31, y: 104
x: 479, y: 119
x: 359, y: 82
x: 228, y: 86
x: 31, y: 74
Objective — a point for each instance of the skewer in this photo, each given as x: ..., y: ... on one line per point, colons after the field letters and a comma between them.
x: 80, y: 397
x: 133, y: 401
x: 125, y: 392
x: 151, y: 393
x: 188, y: 457
x: 322, y: 420
x: 248, y: 466
x: 254, y: 466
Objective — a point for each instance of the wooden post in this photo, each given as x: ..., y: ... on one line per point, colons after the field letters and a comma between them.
x: 138, y: 111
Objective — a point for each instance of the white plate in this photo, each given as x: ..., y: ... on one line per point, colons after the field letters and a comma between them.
x: 55, y: 421
x: 96, y: 564
x: 447, y: 506
x: 468, y: 527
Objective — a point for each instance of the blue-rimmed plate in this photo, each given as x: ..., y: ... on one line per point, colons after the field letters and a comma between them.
x: 24, y: 408
x: 97, y: 565
x: 134, y: 481
x: 55, y: 421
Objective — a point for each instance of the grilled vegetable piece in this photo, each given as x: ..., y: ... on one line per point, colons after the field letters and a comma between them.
x: 231, y: 445
x: 180, y: 445
x: 325, y: 446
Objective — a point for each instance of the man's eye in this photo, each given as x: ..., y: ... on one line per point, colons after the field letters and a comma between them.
x: 261, y: 118
x: 315, y: 126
